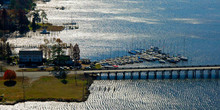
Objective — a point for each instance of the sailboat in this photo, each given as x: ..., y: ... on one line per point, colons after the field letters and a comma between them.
x: 72, y: 25
x: 183, y: 58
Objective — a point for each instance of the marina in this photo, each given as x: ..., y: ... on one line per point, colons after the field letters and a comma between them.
x: 154, y: 54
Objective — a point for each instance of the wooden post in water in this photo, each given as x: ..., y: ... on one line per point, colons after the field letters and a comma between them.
x: 124, y: 75
x: 202, y: 74
x: 178, y: 74
x: 147, y: 75
x: 100, y: 75
x: 132, y: 75
x: 217, y: 73
x: 163, y: 74
x: 108, y: 75
x: 194, y: 74
x: 139, y: 75
x: 171, y: 74
x: 210, y: 73
x: 116, y: 75
x: 155, y: 74
x: 186, y: 74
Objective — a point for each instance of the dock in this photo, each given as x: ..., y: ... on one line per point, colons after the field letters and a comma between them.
x: 181, y: 72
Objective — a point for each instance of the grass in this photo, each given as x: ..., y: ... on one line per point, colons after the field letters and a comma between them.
x: 12, y: 93
x: 35, y: 69
x: 48, y: 26
x: 46, y: 87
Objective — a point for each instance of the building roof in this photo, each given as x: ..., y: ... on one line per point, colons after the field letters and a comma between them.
x: 30, y: 52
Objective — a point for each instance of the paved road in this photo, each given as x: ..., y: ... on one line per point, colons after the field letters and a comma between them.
x: 36, y: 75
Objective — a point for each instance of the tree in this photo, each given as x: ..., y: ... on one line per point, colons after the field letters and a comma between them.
x: 9, y: 74
x: 37, y: 16
x: 59, y: 41
x: 76, y: 53
x: 4, y: 17
x: 3, y: 47
x: 1, y: 1
x: 23, y: 22
x: 33, y: 25
x: 8, y: 50
x: 22, y: 4
x: 1, y: 51
x: 43, y: 16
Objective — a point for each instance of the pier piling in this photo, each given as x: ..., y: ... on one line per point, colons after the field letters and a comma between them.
x: 217, y: 73
x: 123, y: 75
x: 171, y: 74
x: 201, y: 74
x: 108, y: 75
x: 116, y: 75
x: 186, y: 74
x: 194, y: 74
x: 100, y: 76
x: 132, y: 75
x: 155, y: 74
x: 210, y: 74
x: 139, y: 75
x: 178, y: 74
x: 163, y: 74
x: 147, y: 75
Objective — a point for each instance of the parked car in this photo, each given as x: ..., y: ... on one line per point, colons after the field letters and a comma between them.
x: 51, y: 64
x: 87, y: 68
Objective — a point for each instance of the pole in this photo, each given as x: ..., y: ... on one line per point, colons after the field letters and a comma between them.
x: 23, y: 87
x: 83, y: 89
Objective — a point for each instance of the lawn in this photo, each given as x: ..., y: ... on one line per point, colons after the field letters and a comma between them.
x: 35, y: 69
x: 46, y: 88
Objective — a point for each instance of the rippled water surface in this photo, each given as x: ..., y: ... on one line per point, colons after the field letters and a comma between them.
x: 109, y: 28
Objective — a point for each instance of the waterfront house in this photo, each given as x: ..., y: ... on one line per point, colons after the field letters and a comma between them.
x: 30, y: 57
x: 64, y: 60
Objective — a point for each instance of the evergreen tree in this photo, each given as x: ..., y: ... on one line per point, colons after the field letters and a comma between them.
x: 37, y: 17
x: 8, y: 50
x: 23, y: 23
x: 4, y: 17
x: 33, y: 25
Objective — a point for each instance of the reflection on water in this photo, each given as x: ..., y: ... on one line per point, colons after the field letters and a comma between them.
x: 108, y: 29
x: 140, y: 94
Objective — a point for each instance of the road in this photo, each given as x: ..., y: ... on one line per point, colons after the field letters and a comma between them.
x: 35, y: 75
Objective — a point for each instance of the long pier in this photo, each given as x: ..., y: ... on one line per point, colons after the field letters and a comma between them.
x: 180, y: 72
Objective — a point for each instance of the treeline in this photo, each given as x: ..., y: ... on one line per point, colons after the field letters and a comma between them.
x: 14, y: 18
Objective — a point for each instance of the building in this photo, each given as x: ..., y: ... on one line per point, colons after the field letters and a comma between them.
x: 64, y: 60
x: 30, y: 57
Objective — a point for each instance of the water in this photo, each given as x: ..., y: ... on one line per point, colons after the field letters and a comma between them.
x: 108, y: 28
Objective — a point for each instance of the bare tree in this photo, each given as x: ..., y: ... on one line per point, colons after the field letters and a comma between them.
x: 76, y: 53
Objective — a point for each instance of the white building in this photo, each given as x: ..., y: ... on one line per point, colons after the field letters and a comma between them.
x: 30, y: 57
